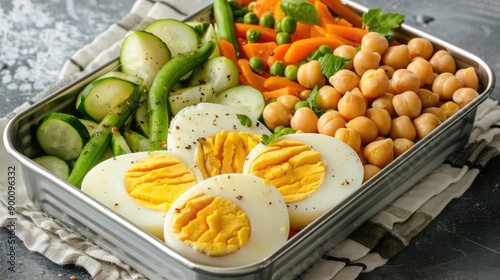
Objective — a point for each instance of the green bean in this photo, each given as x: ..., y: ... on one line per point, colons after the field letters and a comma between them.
x: 225, y: 22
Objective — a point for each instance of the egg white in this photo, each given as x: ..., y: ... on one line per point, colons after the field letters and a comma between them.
x: 263, y: 205
x: 105, y: 183
x: 344, y: 175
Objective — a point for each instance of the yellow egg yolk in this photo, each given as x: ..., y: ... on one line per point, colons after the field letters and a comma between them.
x: 225, y: 153
x: 293, y: 167
x: 212, y: 225
x: 157, y: 181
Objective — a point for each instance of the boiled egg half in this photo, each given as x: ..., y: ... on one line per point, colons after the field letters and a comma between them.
x: 313, y: 172
x: 142, y: 186
x: 228, y: 220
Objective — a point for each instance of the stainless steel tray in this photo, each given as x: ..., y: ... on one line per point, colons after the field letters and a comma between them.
x: 153, y: 259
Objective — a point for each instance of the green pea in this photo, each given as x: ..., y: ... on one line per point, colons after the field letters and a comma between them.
x: 244, y: 10
x: 250, y: 18
x: 291, y: 72
x: 315, y: 55
x: 283, y: 38
x: 324, y: 49
x: 301, y: 104
x: 277, y: 69
x: 267, y: 20
x: 251, y: 5
x: 234, y: 5
x: 256, y: 64
x: 253, y: 35
x: 277, y: 25
x: 288, y: 25
x: 238, y: 19
x: 238, y: 13
x: 302, y: 62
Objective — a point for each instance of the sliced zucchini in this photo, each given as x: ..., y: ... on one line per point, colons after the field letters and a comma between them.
x: 143, y: 54
x: 189, y: 96
x: 62, y: 135
x: 136, y: 141
x: 118, y: 144
x: 199, y: 26
x: 177, y: 35
x: 219, y: 71
x: 211, y: 36
x: 57, y: 166
x: 124, y: 76
x: 90, y: 125
x: 102, y: 95
x: 246, y: 99
x: 141, y: 118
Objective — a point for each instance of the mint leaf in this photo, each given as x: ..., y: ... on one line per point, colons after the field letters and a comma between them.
x: 311, y: 99
x: 244, y: 120
x: 300, y: 10
x: 375, y: 20
x: 331, y: 64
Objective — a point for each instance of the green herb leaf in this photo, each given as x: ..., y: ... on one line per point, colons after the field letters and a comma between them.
x: 382, y: 23
x: 331, y: 64
x: 300, y: 10
x: 278, y: 132
x: 244, y: 120
x: 311, y: 99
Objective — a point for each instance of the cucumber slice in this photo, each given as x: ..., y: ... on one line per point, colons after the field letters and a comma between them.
x: 246, y: 99
x: 57, y: 166
x: 123, y: 76
x: 199, y: 26
x: 177, y: 35
x: 211, y: 36
x: 189, y: 96
x: 219, y: 71
x: 118, y: 144
x: 136, y: 141
x: 90, y: 125
x: 62, y: 135
x: 143, y: 54
x: 102, y: 95
x: 141, y: 118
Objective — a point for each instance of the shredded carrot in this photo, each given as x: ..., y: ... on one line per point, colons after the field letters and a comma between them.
x: 277, y: 54
x: 299, y: 50
x: 267, y: 34
x: 249, y: 77
x: 264, y: 6
x: 353, y: 34
x: 260, y: 50
x: 227, y: 50
x: 280, y: 92
x: 277, y: 82
x: 325, y: 16
x: 343, y: 11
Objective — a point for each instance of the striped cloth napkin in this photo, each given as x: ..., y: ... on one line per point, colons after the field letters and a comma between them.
x: 369, y: 247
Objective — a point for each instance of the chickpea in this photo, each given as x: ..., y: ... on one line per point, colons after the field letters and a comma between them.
x: 407, y: 104
x: 374, y: 83
x: 442, y: 62
x: 362, y: 156
x: 428, y: 98
x: 420, y: 47
x: 425, y: 124
x: 397, y: 57
x: 330, y: 122
x: 364, y: 60
x: 305, y: 120
x: 346, y: 51
x: 276, y: 114
x: 405, y: 80
x: 328, y: 98
x: 445, y: 85
x: 380, y: 153
x: 389, y: 71
x: 369, y: 171
x: 450, y: 108
x: 385, y: 102
x: 303, y: 95
x: 374, y: 42
x: 468, y: 77
x: 365, y: 127
x: 381, y: 119
x: 464, y: 96
x: 351, y: 105
x: 344, y: 80
x: 401, y: 145
x: 349, y: 136
x: 438, y: 112
x: 309, y: 75
x: 289, y: 101
x: 402, y: 127
x: 423, y: 70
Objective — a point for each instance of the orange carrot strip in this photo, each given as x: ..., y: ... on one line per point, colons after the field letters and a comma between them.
x: 277, y: 54
x: 280, y: 92
x: 277, y: 12
x: 260, y: 50
x: 264, y: 6
x: 318, y: 31
x: 354, y: 34
x: 249, y: 77
x: 267, y: 34
x: 301, y: 32
x: 342, y: 21
x: 344, y: 11
x: 227, y: 50
x: 325, y: 16
x: 300, y: 49
x: 277, y: 82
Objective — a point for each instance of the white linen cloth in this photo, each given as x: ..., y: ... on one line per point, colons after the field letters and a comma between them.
x: 363, y: 251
